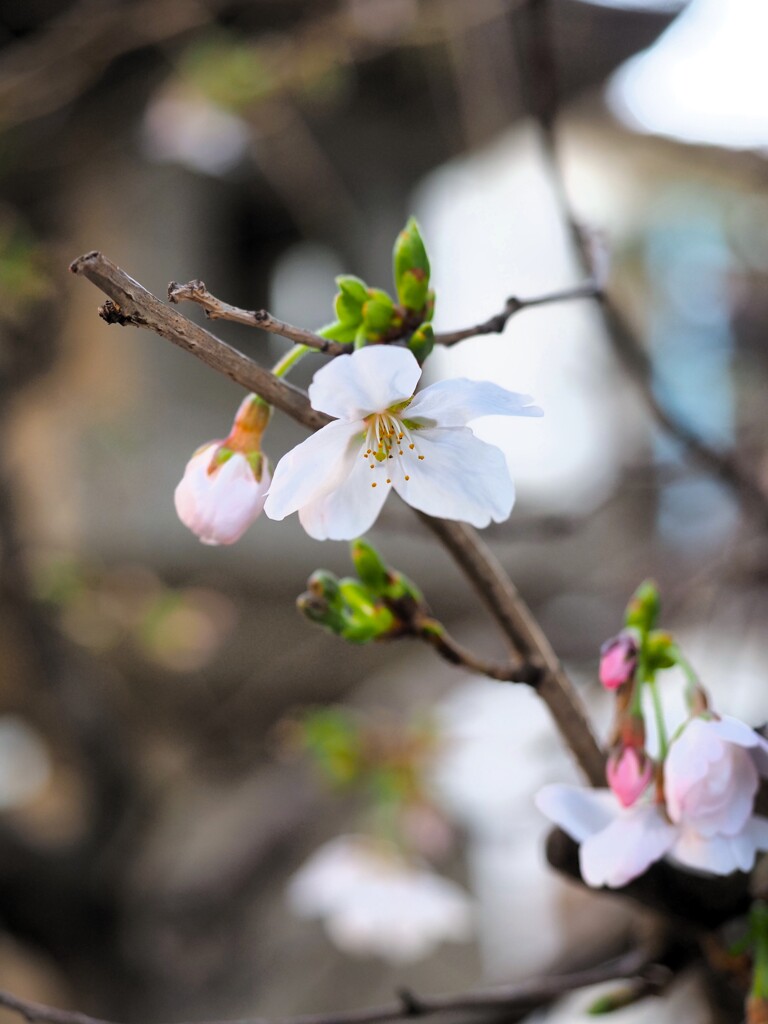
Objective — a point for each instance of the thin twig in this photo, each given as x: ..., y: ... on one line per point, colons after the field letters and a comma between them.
x: 215, y: 309
x: 497, y: 323
x: 435, y: 634
x: 636, y: 966
x: 132, y: 304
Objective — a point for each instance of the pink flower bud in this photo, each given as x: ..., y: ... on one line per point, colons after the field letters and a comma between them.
x: 218, y: 500
x: 618, y: 661
x: 628, y: 772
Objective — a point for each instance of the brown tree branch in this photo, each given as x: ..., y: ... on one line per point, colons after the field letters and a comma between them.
x: 497, y: 323
x: 504, y: 602
x: 131, y: 304
x: 215, y: 309
x: 638, y: 966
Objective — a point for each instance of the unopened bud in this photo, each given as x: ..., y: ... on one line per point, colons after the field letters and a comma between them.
x: 422, y: 341
x: 369, y: 565
x: 643, y: 608
x: 324, y: 584
x: 349, y: 301
x: 618, y: 660
x: 377, y: 312
x: 411, y: 267
x: 628, y: 771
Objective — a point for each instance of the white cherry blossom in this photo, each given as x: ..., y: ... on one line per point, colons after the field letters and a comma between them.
x: 706, y: 822
x: 384, y: 437
x: 219, y: 502
x: 374, y: 902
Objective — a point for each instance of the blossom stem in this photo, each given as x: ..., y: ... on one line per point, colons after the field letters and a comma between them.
x: 290, y: 359
x: 658, y: 713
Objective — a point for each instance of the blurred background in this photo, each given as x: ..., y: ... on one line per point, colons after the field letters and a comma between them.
x: 150, y: 813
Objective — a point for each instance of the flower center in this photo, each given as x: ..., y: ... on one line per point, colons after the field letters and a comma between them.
x: 389, y: 444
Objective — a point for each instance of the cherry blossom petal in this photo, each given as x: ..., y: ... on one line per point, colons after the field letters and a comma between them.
x: 689, y: 761
x: 710, y: 780
x: 723, y: 802
x: 578, y: 811
x: 220, y: 506
x: 634, y: 840
x: 348, y: 511
x: 722, y: 855
x: 733, y: 731
x: 460, y: 477
x: 369, y: 380
x: 314, y: 467
x: 453, y: 403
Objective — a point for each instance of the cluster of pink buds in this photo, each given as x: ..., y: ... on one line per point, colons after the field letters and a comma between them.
x: 694, y: 801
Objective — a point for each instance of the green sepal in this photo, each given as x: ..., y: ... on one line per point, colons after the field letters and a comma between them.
x: 421, y: 342
x: 643, y: 608
x: 366, y: 617
x: 354, y: 289
x: 361, y: 337
x: 343, y: 333
x: 660, y: 650
x: 378, y: 311
x: 323, y: 583
x: 349, y: 301
x: 317, y: 610
x: 257, y: 461
x: 411, y: 267
x: 369, y: 565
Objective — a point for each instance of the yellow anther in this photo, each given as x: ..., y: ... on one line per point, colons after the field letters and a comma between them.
x: 407, y: 478
x: 373, y: 485
x: 411, y: 446
x: 421, y: 457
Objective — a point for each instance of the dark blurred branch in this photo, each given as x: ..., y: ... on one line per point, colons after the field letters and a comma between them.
x: 131, y: 304
x: 640, y: 966
x: 215, y: 309
x: 53, y: 67
x: 544, y: 102
x: 497, y: 323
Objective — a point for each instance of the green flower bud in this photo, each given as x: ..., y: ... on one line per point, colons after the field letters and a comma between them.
x: 317, y: 609
x: 366, y: 618
x: 422, y: 341
x: 643, y: 608
x: 349, y: 301
x: 378, y: 311
x: 411, y: 267
x: 324, y: 584
x: 353, y: 288
x: 369, y: 565
x: 660, y: 650
x: 400, y: 588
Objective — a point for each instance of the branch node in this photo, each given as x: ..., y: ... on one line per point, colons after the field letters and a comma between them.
x: 111, y: 313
